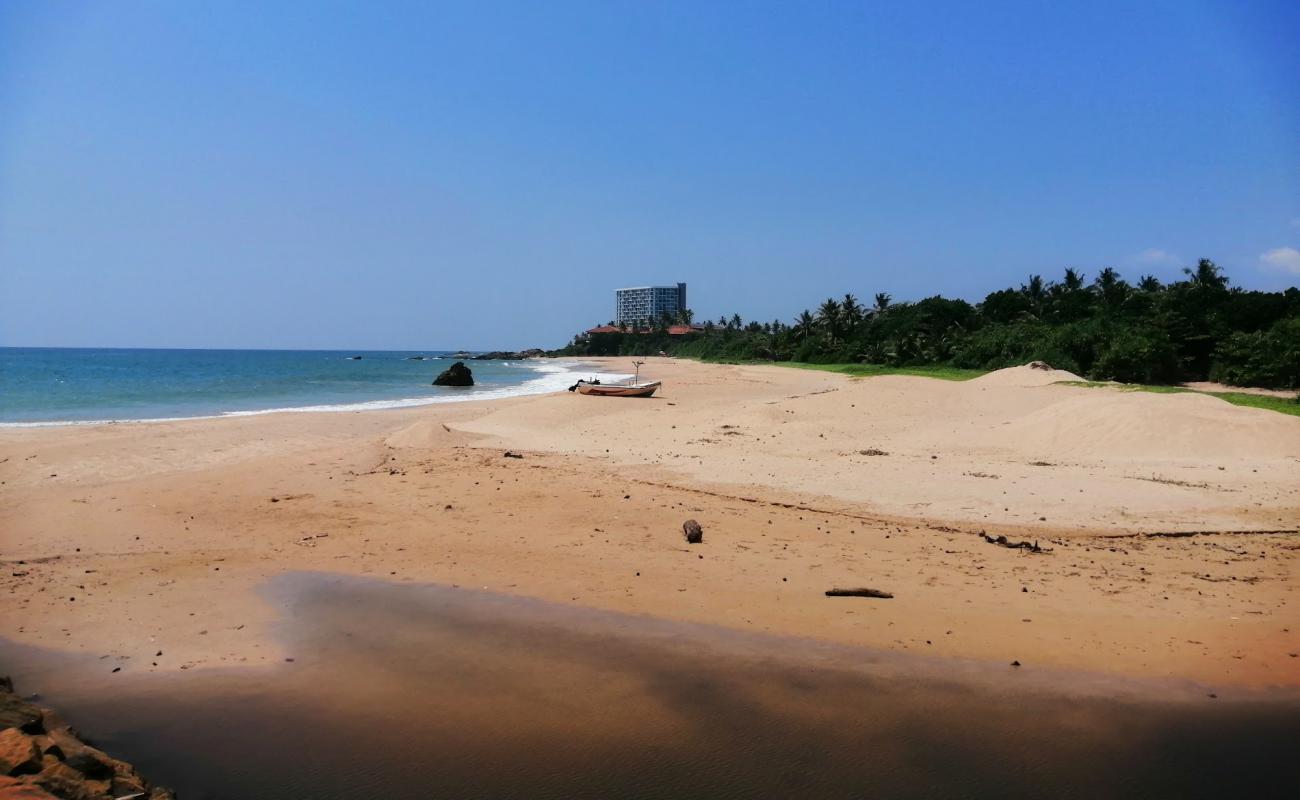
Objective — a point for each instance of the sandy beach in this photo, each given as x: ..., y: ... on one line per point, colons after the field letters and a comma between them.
x: 1173, y: 521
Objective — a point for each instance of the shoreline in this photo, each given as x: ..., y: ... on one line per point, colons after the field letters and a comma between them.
x: 162, y: 533
x: 535, y: 386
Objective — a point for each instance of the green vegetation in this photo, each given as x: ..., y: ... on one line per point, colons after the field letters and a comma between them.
x: 1284, y: 405
x: 1196, y: 329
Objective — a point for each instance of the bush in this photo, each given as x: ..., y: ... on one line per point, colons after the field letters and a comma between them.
x: 1269, y: 358
x: 1138, y: 356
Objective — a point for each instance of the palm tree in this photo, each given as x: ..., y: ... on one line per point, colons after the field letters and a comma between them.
x: 1073, y: 280
x: 1034, y: 290
x: 735, y: 322
x: 828, y: 314
x: 1112, y: 288
x: 852, y: 312
x: 882, y: 302
x: 1149, y: 283
x: 804, y: 326
x: 685, y: 316
x: 1207, y: 275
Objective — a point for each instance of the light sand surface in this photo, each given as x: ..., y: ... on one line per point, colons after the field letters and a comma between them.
x: 126, y: 540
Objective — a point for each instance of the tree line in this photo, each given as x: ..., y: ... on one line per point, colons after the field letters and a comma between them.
x: 1198, y: 328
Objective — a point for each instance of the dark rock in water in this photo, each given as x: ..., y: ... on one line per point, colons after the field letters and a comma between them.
x: 694, y: 533
x: 510, y: 355
x: 456, y: 375
x: 354, y: 358
x: 415, y: 358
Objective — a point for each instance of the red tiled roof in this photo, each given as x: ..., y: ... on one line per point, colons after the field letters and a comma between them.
x: 673, y: 330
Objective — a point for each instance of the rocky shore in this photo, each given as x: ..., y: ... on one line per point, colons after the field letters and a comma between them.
x: 42, y: 757
x: 509, y: 355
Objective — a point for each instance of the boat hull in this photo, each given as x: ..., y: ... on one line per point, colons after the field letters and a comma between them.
x: 614, y: 390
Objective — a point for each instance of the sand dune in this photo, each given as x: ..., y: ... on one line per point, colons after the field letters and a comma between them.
x: 1080, y: 457
x: 1152, y: 427
x: 1026, y: 375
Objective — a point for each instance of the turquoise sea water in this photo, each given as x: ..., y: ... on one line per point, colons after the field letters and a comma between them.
x: 55, y: 385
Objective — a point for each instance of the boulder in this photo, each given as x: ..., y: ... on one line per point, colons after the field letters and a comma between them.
x: 694, y: 533
x: 17, y: 713
x: 18, y: 753
x: 63, y: 781
x: 456, y: 375
x: 89, y: 761
x: 14, y: 789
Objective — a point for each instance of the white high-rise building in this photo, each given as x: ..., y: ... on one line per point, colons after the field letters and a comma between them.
x: 646, y: 304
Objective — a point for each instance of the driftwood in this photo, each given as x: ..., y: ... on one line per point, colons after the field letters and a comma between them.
x: 1003, y: 541
x: 512, y: 454
x: 694, y: 533
x: 863, y: 592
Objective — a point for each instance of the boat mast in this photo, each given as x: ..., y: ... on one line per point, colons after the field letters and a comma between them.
x: 637, y: 380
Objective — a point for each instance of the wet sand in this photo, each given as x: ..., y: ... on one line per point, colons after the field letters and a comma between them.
x: 412, y: 690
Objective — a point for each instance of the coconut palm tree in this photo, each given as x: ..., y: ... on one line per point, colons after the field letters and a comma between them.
x: 1149, y: 283
x: 805, y: 325
x: 882, y: 302
x: 1207, y: 275
x: 828, y: 314
x: 1111, y: 287
x: 1035, y: 291
x: 852, y: 312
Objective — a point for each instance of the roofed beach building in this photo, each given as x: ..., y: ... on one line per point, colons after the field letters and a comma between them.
x: 646, y: 304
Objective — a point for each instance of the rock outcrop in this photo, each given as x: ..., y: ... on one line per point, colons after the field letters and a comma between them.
x: 456, y: 375
x: 510, y: 355
x: 42, y: 757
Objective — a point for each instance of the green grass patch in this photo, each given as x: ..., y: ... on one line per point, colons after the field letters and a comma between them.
x: 1282, y: 405
x: 872, y: 370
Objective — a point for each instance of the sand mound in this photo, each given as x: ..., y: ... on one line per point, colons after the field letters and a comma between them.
x: 1101, y: 423
x: 425, y: 434
x: 1036, y: 373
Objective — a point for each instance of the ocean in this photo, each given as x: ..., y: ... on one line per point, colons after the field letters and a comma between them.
x: 43, y: 386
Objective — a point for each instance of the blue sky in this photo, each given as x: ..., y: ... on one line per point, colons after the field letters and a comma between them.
x: 483, y: 175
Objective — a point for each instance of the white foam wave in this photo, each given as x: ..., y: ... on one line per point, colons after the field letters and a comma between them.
x: 553, y: 377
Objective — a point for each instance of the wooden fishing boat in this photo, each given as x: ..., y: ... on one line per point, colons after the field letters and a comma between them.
x: 634, y: 388
x: 619, y: 389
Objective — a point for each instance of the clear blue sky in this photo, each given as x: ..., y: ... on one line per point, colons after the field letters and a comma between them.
x: 482, y: 175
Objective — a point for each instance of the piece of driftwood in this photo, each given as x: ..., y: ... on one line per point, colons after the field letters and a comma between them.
x: 512, y: 454
x: 863, y: 592
x: 694, y: 533
x: 1003, y: 541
